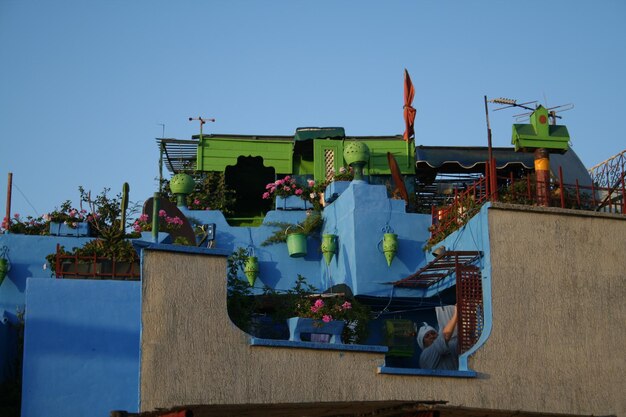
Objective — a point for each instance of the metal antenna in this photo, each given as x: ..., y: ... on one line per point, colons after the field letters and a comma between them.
x: 202, y: 122
x: 163, y: 126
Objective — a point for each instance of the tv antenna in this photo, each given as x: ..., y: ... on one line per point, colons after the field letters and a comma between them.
x: 552, y: 111
x: 202, y: 122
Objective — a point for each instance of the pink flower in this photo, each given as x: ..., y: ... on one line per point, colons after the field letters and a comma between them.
x: 314, y: 309
x: 346, y: 306
x: 278, y: 182
x: 143, y: 218
x: 286, y: 188
x: 319, y: 303
x: 73, y: 213
x: 16, y: 215
x: 287, y: 178
x: 266, y: 196
x: 311, y: 183
x: 327, y: 318
x: 298, y: 191
x: 136, y: 227
x: 196, y: 202
x: 162, y: 213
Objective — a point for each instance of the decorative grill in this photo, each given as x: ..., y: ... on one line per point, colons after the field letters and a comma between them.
x: 329, y: 163
x: 469, y: 304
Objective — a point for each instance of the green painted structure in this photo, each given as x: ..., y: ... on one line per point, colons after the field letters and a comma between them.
x: 310, y: 152
x: 540, y: 134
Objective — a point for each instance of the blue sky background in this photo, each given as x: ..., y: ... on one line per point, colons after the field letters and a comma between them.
x: 85, y: 85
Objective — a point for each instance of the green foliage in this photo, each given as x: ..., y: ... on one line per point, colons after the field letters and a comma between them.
x: 296, y: 302
x: 28, y: 226
x: 310, y: 225
x: 240, y: 303
x: 210, y: 193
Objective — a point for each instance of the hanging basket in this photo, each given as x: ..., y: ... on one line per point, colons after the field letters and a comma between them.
x: 390, y: 246
x: 251, y: 269
x: 296, y: 245
x: 329, y: 247
x: 4, y: 268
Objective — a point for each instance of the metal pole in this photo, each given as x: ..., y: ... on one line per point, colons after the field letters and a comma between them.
x: 155, y: 218
x: 9, y: 190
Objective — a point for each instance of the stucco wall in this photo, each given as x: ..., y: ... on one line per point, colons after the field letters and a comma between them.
x: 556, y: 344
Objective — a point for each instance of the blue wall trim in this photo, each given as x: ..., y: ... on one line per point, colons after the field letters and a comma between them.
x: 320, y: 346
x: 425, y: 372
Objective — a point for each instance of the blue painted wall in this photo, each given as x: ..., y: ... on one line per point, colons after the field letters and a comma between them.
x: 81, y: 353
x: 358, y: 217
x: 27, y: 255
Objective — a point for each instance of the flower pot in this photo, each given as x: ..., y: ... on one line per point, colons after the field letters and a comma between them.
x: 251, y: 269
x: 296, y: 245
x: 298, y: 325
x: 390, y: 246
x: 80, y: 229
x: 329, y: 247
x: 4, y: 268
x: 292, y: 202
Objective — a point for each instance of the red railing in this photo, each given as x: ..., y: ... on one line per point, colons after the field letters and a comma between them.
x: 94, y: 267
x: 467, y: 202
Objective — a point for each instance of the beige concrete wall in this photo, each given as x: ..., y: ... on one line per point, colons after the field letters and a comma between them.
x: 556, y: 344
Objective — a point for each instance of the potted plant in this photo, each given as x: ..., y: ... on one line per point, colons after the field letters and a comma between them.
x: 338, y: 315
x: 295, y: 234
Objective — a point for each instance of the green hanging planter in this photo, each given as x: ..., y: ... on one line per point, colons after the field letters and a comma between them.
x: 251, y: 269
x: 390, y: 246
x: 329, y: 247
x: 296, y: 245
x: 4, y: 268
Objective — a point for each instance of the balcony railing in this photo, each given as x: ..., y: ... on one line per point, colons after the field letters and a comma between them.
x: 465, y: 203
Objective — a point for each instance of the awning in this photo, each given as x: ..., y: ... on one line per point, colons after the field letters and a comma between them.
x: 461, y: 159
x: 179, y: 155
x: 452, y: 159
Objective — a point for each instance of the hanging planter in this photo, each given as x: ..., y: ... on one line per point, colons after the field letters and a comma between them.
x: 329, y: 247
x: 5, y: 265
x: 4, y: 268
x: 296, y: 245
x: 390, y: 246
x: 251, y: 269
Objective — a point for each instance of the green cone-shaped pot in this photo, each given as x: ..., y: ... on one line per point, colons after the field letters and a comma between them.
x: 4, y: 268
x: 296, y: 245
x: 390, y: 246
x: 251, y: 269
x: 329, y: 247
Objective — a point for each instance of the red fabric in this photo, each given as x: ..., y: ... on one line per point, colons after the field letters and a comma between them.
x: 409, y: 111
x: 182, y: 413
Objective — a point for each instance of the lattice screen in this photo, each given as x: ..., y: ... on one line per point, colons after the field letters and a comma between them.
x: 329, y: 163
x: 469, y: 304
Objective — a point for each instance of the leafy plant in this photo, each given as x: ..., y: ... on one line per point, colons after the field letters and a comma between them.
x: 28, y: 226
x: 209, y: 193
x: 310, y: 225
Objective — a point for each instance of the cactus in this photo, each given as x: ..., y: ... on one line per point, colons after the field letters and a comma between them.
x: 125, y: 191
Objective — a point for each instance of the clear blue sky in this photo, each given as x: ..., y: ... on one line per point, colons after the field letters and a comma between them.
x: 84, y: 85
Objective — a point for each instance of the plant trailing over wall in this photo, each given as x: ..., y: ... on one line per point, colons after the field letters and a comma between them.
x: 240, y: 303
x: 310, y: 225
